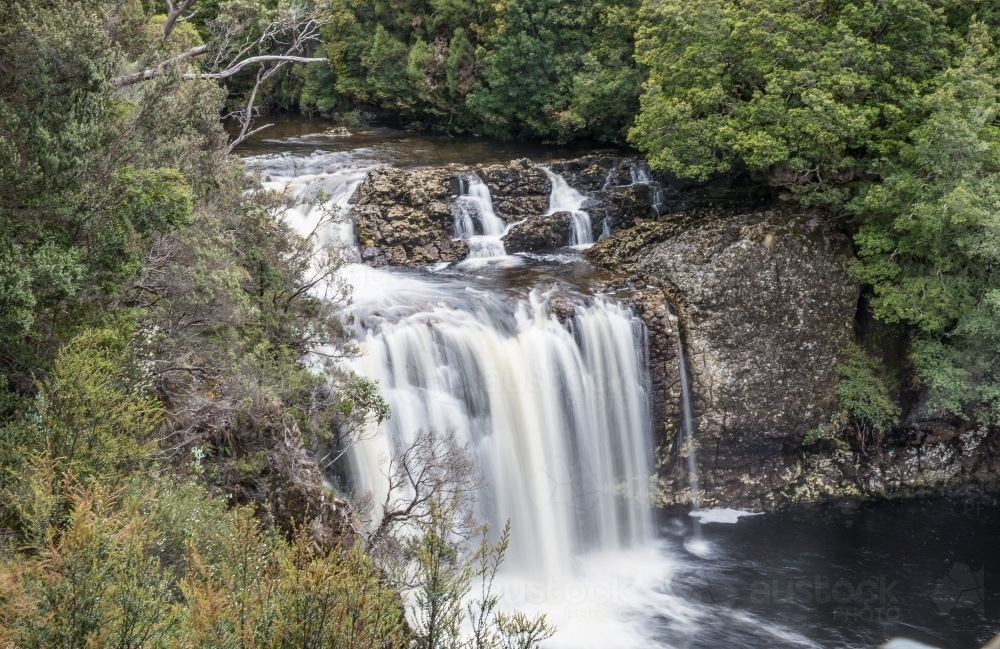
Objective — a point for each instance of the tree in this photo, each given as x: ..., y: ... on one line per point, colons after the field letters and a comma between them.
x: 883, y: 113
x: 930, y: 243
x: 810, y: 92
x: 243, y: 34
x: 513, y: 69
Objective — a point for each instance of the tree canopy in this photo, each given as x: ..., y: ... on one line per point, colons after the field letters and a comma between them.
x: 509, y: 69
x: 883, y: 112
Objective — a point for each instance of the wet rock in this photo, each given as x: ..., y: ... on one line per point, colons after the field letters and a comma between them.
x: 539, y: 233
x: 626, y: 204
x: 593, y: 173
x: 767, y: 305
x: 563, y: 308
x: 300, y: 501
x: 404, y: 216
x: 519, y: 189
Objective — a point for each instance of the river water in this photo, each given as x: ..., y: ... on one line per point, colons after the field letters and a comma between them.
x: 546, y: 383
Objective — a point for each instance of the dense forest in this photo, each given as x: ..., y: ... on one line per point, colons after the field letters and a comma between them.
x: 156, y: 417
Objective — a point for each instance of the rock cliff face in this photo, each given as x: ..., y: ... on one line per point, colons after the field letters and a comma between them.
x: 520, y: 190
x: 765, y: 306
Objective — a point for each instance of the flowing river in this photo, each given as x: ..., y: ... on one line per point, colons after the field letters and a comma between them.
x: 546, y: 383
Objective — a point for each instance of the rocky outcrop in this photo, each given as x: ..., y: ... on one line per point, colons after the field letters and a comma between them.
x: 765, y: 306
x: 539, y: 233
x: 405, y: 216
x: 624, y: 191
x: 519, y: 189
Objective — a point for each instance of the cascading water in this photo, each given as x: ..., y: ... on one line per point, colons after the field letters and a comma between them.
x: 475, y: 206
x: 557, y: 416
x: 564, y: 198
x: 696, y: 544
x: 316, y: 190
x: 640, y: 174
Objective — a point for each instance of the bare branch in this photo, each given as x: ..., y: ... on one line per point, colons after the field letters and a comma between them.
x: 254, y: 59
x: 160, y: 69
x: 173, y: 14
x: 433, y: 467
x: 232, y: 145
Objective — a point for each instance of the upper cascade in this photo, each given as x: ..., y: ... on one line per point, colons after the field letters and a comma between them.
x: 566, y: 199
x: 474, y: 207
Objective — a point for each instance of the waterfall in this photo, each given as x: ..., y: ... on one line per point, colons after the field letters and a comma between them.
x: 566, y: 199
x: 695, y: 545
x: 475, y: 205
x: 557, y: 417
x: 658, y: 201
x: 555, y: 413
x: 640, y: 173
x: 688, y: 426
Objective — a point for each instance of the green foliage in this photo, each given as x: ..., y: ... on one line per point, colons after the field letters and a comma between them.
x: 79, y: 199
x: 930, y: 243
x: 137, y: 279
x: 113, y: 575
x: 444, y: 579
x: 864, y: 393
x: 813, y: 91
x: 96, y: 584
x: 445, y: 572
x: 92, y: 420
x: 885, y: 112
x: 517, y: 68
x: 272, y: 593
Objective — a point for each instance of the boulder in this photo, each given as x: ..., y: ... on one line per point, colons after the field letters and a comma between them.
x: 624, y: 205
x: 767, y: 305
x: 519, y: 189
x: 539, y: 233
x: 405, y: 216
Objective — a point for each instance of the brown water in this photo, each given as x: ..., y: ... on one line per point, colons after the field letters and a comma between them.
x: 303, y: 135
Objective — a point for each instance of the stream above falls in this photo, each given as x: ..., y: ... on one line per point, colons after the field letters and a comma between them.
x: 543, y: 374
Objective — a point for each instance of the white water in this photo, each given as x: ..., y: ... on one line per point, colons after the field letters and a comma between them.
x: 559, y: 423
x: 316, y: 190
x: 475, y: 207
x: 566, y: 199
x: 640, y: 174
x: 695, y: 545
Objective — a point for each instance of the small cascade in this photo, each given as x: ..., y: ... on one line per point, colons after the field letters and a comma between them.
x: 640, y: 173
x: 566, y: 199
x: 696, y: 545
x: 658, y: 200
x: 474, y: 207
x: 557, y: 417
x: 316, y: 190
